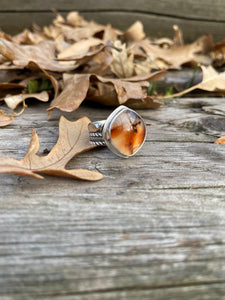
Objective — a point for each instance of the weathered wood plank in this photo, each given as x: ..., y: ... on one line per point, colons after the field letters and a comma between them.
x: 154, y: 25
x: 169, y: 152
x: 189, y: 10
x: 154, y: 226
x: 205, y: 292
x: 63, y: 245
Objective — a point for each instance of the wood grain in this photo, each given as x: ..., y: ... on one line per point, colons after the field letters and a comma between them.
x: 157, y: 19
x: 154, y: 226
x: 189, y: 9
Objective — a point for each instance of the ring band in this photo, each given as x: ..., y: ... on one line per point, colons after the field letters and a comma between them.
x: 123, y: 132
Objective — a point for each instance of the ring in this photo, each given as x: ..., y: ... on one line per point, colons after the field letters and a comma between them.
x: 123, y: 132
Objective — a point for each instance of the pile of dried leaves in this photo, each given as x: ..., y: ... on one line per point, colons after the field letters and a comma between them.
x: 72, y: 60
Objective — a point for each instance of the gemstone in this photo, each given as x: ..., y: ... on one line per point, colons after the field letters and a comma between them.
x: 127, y: 132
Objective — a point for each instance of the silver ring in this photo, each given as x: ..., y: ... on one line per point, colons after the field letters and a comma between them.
x: 123, y: 132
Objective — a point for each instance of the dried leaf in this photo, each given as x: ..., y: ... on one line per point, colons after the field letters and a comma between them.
x: 52, y: 32
x: 28, y: 38
x: 218, y: 54
x: 164, y: 42
x: 76, y: 90
x: 42, y: 54
x: 135, y: 33
x: 52, y: 77
x: 81, y: 49
x: 147, y: 77
x: 73, y: 139
x: 9, y: 66
x: 123, y: 64
x: 61, y: 44
x: 5, y: 36
x: 211, y: 81
x: 125, y: 89
x: 178, y: 40
x: 13, y: 101
x: 145, y: 66
x: 85, y: 31
x: 111, y: 34
x: 5, y: 119
x: 175, y: 57
x: 220, y: 140
x: 99, y: 64
x: 6, y: 88
x: 74, y: 19
x: 105, y: 94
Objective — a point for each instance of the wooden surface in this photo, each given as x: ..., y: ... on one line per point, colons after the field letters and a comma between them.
x: 195, y: 18
x: 153, y: 228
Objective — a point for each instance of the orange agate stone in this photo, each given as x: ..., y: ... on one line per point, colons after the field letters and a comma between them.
x: 127, y: 132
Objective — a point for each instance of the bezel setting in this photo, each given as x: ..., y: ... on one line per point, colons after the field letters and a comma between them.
x: 106, y: 131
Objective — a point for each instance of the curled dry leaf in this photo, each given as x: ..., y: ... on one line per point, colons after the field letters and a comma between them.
x: 5, y: 119
x: 6, y: 88
x: 111, y: 34
x: 73, y: 93
x: 99, y: 64
x: 135, y: 33
x: 13, y: 101
x: 218, y: 54
x: 29, y: 38
x: 42, y: 54
x: 81, y: 52
x: 73, y: 139
x: 175, y: 57
x: 74, y: 19
x: 6, y: 36
x: 105, y: 94
x: 178, y: 40
x: 211, y: 81
x: 147, y: 77
x: 116, y: 92
x: 51, y: 32
x: 52, y: 77
x: 76, y: 28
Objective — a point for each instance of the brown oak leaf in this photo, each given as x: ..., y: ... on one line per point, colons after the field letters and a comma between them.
x: 211, y: 81
x: 135, y: 33
x: 75, y: 28
x: 81, y: 49
x: 174, y: 57
x: 74, y: 92
x: 119, y: 91
x: 123, y: 64
x: 28, y: 38
x: 42, y: 54
x: 73, y: 139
